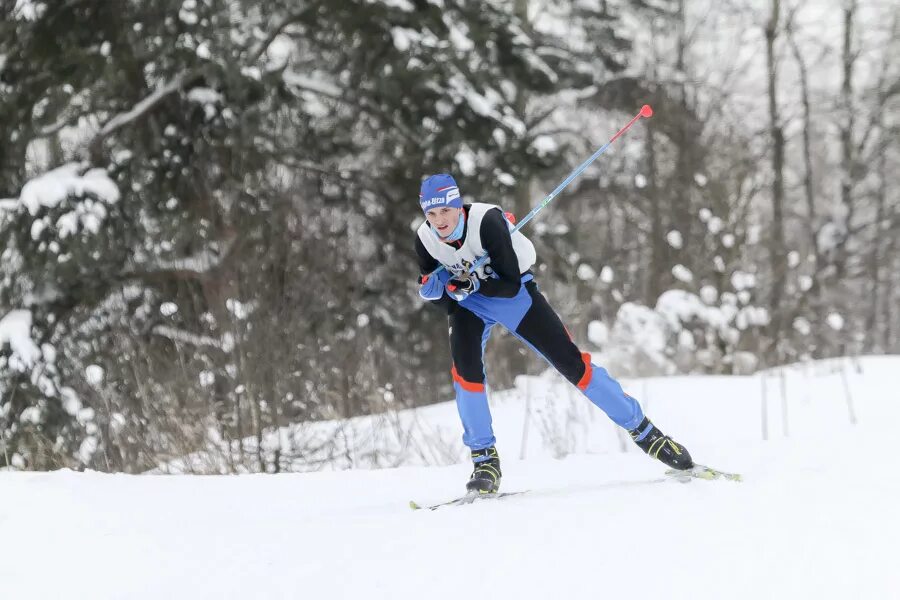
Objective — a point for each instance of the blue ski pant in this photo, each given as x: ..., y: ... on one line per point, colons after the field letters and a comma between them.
x: 529, y: 317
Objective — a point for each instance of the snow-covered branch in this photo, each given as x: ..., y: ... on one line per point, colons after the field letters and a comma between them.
x: 143, y: 106
x: 15, y: 330
x: 285, y: 22
x: 318, y: 86
x: 329, y: 90
x: 199, y: 263
x: 226, y: 343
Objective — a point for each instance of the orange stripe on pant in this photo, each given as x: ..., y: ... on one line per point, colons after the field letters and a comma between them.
x: 588, y: 372
x: 466, y: 385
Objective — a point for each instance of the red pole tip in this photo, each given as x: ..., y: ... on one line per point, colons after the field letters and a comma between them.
x: 646, y: 111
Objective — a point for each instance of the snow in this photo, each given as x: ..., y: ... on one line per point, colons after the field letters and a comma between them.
x: 29, y: 10
x: 70, y: 401
x: 598, y: 333
x: 466, y: 161
x: 544, y: 144
x: 606, y: 274
x: 94, y: 374
x: 829, y: 237
x: 679, y: 306
x: 203, y: 51
x: 48, y: 353
x: 32, y: 415
x: 715, y: 225
x: 87, y: 448
x: 143, y: 106
x: 742, y: 281
x: 186, y: 337
x: 674, y: 238
x: 458, y: 36
x: 207, y: 378
x: 204, y: 95
x: 403, y: 37
x: 709, y: 294
x: 403, y: 5
x: 682, y: 273
x: 802, y: 325
x: 719, y: 264
x: 37, y: 227
x: 200, y: 262
x: 51, y: 188
x: 187, y: 14
x: 804, y: 523
x: 15, y: 330
x: 506, y: 179
x: 585, y: 272
x: 240, y: 310
x: 835, y: 321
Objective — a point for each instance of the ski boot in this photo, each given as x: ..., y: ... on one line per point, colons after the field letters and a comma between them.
x: 654, y: 442
x: 485, y: 478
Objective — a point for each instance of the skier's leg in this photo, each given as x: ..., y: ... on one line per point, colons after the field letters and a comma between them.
x: 468, y: 335
x: 542, y: 329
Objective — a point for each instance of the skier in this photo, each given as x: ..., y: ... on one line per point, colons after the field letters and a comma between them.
x: 503, y: 290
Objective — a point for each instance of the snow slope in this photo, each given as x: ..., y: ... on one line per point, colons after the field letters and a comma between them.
x: 546, y: 417
x: 815, y: 518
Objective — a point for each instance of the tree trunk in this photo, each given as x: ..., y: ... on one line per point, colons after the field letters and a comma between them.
x: 872, y: 337
x: 659, y: 267
x: 684, y: 144
x: 811, y: 298
x: 776, y: 241
x: 847, y: 123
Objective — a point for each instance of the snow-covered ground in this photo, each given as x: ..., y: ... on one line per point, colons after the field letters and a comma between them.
x: 546, y: 417
x: 815, y: 517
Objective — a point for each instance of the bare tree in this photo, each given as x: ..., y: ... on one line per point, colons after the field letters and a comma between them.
x: 777, y: 250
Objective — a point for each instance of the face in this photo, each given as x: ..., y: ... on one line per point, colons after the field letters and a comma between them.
x: 444, y: 219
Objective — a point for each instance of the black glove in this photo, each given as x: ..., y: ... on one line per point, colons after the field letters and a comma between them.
x: 459, y: 288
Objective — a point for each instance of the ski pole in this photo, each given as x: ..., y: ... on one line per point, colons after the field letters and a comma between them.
x: 645, y: 111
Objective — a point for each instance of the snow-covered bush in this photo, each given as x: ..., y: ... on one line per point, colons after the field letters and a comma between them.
x: 682, y: 334
x: 59, y: 239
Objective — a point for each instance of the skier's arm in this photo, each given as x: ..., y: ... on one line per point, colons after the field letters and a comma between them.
x: 496, y: 239
x: 427, y: 264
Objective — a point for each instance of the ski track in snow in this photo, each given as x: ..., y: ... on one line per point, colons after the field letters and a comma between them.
x: 814, y: 518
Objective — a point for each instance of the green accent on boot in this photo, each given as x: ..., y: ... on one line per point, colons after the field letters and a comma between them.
x: 485, y: 478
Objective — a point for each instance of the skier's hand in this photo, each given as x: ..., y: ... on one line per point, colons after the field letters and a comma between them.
x: 459, y: 288
x: 432, y: 286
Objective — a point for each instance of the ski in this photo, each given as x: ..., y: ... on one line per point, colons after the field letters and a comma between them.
x: 702, y: 472
x: 469, y: 498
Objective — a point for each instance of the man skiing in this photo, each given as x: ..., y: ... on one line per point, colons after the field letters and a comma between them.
x: 503, y: 290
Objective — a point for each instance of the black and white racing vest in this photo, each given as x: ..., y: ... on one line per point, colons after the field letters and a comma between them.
x: 458, y: 260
